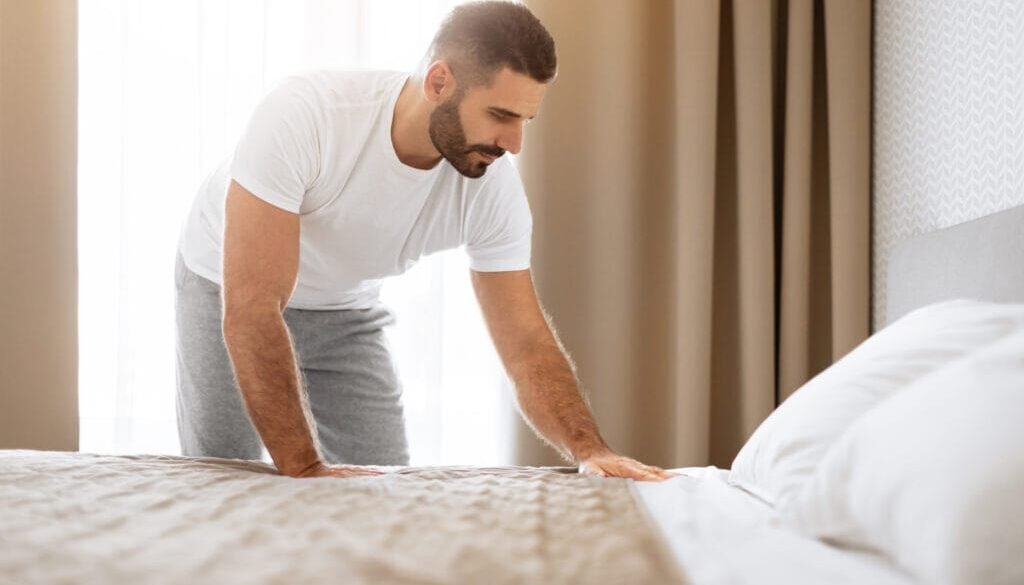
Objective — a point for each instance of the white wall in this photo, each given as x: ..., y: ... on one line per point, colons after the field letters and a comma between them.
x: 948, y: 118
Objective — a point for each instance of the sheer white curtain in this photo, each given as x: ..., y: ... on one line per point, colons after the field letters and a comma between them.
x: 165, y: 89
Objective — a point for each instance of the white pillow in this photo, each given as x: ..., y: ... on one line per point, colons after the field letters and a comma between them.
x: 784, y: 451
x: 934, y: 477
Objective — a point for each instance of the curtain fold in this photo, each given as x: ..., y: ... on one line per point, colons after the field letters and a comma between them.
x: 699, y: 176
x: 38, y: 312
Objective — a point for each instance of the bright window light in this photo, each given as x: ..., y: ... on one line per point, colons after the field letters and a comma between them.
x: 165, y: 88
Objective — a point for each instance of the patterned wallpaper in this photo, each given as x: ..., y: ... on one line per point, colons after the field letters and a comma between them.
x: 948, y: 118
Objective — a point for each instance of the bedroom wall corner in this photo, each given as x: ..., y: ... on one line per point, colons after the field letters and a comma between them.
x: 38, y: 225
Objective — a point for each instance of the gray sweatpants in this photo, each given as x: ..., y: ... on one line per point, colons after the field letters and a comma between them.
x: 348, y: 372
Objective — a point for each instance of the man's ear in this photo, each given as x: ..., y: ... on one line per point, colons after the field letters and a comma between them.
x: 438, y: 83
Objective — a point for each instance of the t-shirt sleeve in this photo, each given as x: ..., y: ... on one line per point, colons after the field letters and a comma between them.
x: 500, y: 226
x: 277, y: 158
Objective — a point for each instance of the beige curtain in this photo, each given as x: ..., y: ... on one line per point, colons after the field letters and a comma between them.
x: 38, y: 280
x: 699, y: 177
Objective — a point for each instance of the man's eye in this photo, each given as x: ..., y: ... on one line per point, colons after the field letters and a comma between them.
x: 499, y: 117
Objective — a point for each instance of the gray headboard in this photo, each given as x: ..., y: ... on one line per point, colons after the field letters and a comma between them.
x: 981, y: 259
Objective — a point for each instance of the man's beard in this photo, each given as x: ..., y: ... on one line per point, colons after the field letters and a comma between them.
x: 449, y: 139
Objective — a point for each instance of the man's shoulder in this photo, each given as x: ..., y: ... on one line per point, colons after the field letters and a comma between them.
x: 501, y: 176
x: 499, y: 188
x: 346, y: 86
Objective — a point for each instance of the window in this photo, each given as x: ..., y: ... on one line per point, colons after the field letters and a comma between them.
x: 165, y: 89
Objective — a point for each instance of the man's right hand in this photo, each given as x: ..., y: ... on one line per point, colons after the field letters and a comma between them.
x: 320, y: 470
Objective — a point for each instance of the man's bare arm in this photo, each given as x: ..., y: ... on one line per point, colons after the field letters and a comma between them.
x: 545, y: 379
x: 261, y: 262
x: 546, y: 383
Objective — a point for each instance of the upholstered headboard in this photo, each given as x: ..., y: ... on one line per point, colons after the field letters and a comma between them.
x: 981, y: 259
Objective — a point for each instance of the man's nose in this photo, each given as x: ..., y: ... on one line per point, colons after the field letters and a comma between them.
x: 512, y: 139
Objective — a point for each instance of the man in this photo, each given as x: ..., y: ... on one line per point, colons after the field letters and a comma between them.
x: 340, y: 180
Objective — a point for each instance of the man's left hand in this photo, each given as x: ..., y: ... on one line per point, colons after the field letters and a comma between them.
x: 610, y: 464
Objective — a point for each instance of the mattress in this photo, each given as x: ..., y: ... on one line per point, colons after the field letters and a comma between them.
x: 80, y: 518
x: 720, y: 534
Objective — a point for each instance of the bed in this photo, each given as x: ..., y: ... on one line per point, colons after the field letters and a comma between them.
x: 84, y: 518
x: 787, y: 512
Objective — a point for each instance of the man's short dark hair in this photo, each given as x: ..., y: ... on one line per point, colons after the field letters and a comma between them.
x: 479, y: 39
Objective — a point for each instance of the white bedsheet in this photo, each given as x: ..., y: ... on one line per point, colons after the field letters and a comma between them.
x: 721, y: 535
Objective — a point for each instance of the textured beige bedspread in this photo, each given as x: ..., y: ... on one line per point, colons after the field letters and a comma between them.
x: 80, y: 518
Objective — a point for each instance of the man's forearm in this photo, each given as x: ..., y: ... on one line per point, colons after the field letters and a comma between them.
x: 551, y: 399
x: 265, y: 367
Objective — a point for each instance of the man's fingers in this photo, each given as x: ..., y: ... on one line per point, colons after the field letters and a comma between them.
x: 649, y: 475
x: 591, y: 469
x: 663, y: 474
x: 348, y: 471
x: 355, y: 471
x: 619, y: 466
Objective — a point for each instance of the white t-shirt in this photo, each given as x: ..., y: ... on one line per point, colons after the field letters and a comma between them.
x: 319, y: 145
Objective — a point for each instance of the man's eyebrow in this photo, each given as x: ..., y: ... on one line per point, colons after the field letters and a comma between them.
x: 508, y: 113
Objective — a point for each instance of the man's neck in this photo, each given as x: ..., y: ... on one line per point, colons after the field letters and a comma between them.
x: 410, y: 128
